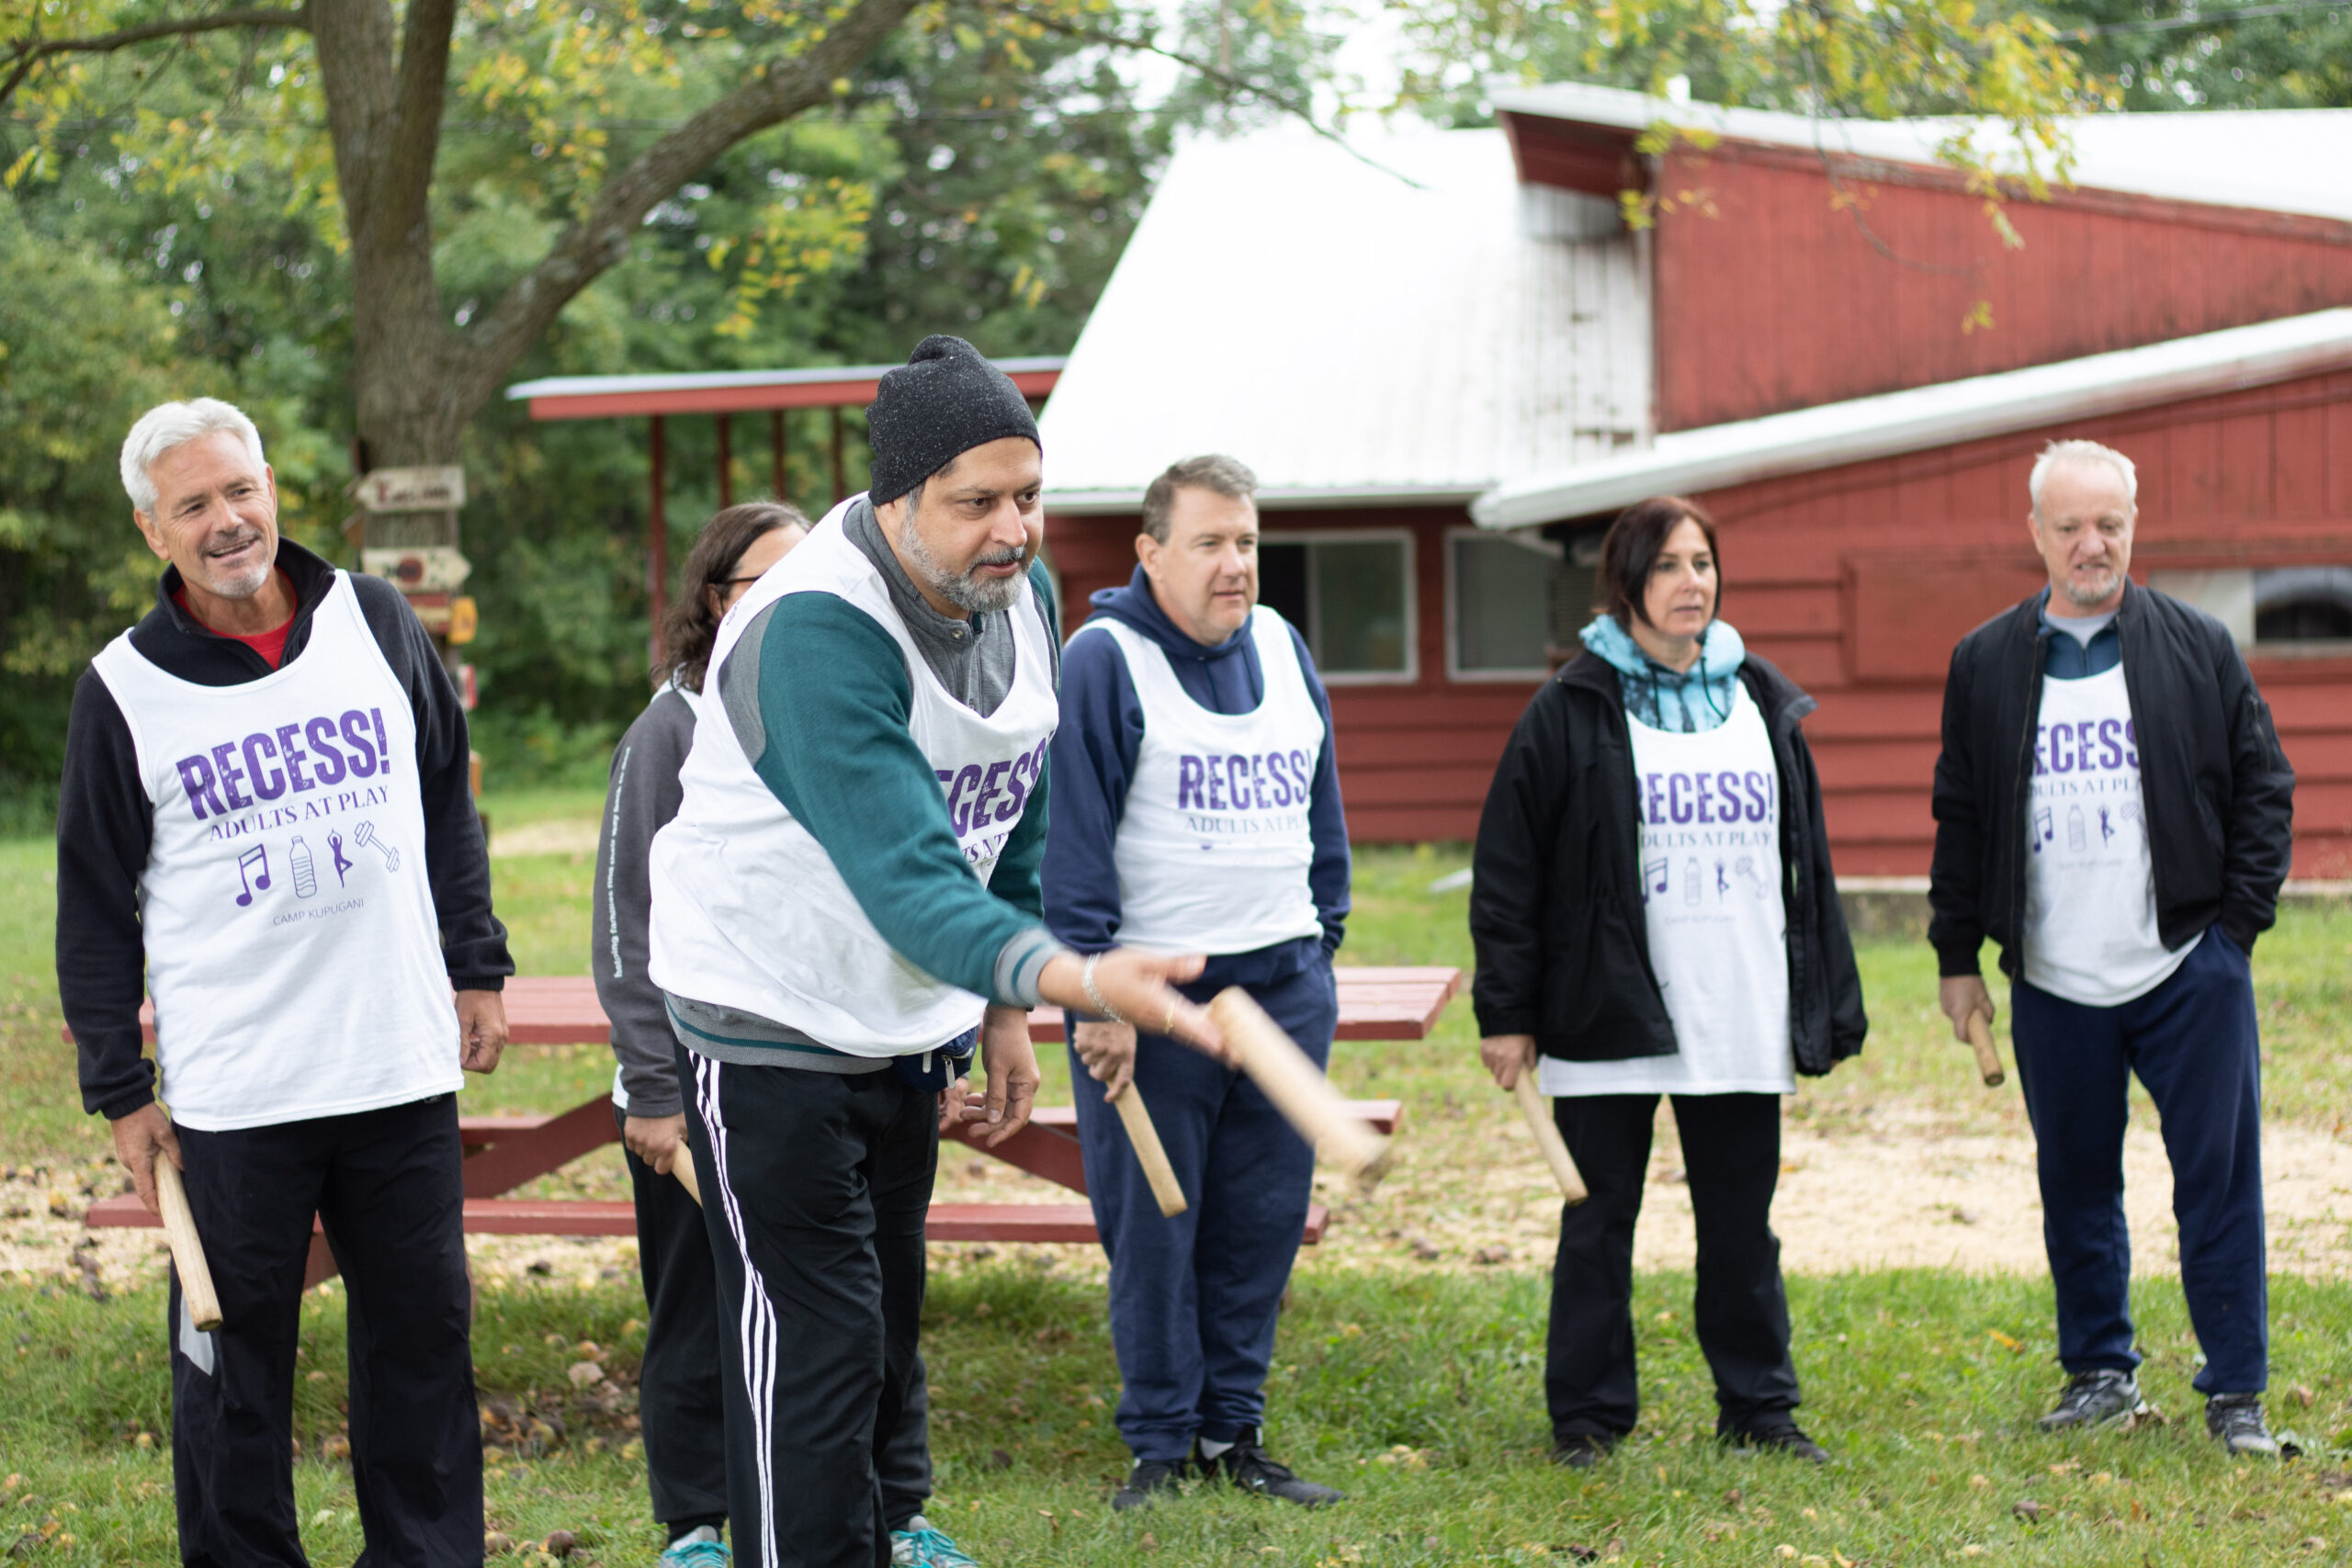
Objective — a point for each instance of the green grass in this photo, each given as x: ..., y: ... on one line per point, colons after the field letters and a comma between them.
x: 1422, y: 1397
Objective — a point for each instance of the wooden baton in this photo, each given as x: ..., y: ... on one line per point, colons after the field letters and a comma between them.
x: 1153, y: 1158
x: 1537, y: 1108
x: 188, y: 1252
x: 1302, y: 1094
x: 1988, y: 1061
x: 682, y: 1166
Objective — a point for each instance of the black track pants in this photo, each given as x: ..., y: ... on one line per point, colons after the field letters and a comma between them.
x: 1731, y: 1146
x: 816, y: 1186
x: 387, y: 1184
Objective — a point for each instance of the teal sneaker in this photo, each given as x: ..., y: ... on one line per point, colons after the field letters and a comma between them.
x: 920, y: 1546
x: 702, y: 1548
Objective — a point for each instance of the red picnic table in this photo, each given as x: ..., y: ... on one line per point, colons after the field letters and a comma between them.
x: 504, y: 1152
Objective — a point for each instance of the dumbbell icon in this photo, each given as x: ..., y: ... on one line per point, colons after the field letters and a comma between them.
x: 365, y: 834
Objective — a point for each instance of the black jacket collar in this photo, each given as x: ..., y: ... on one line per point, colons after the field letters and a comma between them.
x: 179, y: 644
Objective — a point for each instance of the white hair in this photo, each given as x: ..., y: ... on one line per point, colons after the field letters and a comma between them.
x: 167, y: 425
x: 2059, y: 452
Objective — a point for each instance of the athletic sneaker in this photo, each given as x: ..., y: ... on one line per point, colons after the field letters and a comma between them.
x: 1785, y: 1437
x: 2235, y: 1421
x: 1248, y: 1466
x: 1150, y: 1480
x: 920, y: 1546
x: 698, y: 1548
x: 2095, y: 1399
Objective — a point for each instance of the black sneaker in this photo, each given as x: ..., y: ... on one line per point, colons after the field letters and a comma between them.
x: 2096, y: 1399
x: 1151, y: 1480
x: 1248, y: 1466
x: 1582, y: 1450
x: 1784, y: 1438
x: 2235, y: 1422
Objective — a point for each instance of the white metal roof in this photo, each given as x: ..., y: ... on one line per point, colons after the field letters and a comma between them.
x: 2278, y: 160
x: 712, y: 380
x: 1349, y: 336
x: 1925, y: 417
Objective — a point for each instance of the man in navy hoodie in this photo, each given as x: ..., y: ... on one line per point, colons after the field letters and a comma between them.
x: 1196, y: 809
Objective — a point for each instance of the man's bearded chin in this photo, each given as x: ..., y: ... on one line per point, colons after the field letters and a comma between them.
x: 244, y: 584
x: 2078, y: 592
x: 966, y: 589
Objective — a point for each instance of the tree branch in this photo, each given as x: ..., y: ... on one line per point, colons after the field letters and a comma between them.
x: 597, y: 241
x: 417, y: 108
x: 26, y: 54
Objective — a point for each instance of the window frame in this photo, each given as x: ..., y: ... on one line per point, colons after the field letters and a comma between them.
x: 1516, y: 539
x: 1411, y: 674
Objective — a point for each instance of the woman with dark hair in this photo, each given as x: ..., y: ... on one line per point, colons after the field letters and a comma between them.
x: 1655, y: 913
x: 679, y: 1402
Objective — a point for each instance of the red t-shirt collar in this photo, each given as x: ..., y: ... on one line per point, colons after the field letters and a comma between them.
x: 270, y: 645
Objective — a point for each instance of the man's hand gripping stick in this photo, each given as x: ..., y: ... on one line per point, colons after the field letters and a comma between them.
x: 1302, y: 1094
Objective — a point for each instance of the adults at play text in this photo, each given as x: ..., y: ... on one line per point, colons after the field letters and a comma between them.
x: 1655, y: 913
x: 1197, y: 810
x: 850, y: 884
x: 264, y: 822
x: 2114, y: 809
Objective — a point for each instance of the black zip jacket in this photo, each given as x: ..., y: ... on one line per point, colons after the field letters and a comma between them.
x: 1555, y: 904
x: 105, y: 821
x: 2216, y: 787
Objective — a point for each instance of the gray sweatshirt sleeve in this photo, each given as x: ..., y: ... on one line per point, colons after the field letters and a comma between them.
x: 643, y: 795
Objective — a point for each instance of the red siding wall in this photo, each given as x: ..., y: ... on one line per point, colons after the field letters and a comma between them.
x: 1771, y: 298
x: 1856, y: 581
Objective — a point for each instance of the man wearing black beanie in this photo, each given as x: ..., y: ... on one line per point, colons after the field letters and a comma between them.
x: 849, y: 886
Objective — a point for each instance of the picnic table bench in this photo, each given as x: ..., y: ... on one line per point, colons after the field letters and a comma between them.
x: 504, y: 1152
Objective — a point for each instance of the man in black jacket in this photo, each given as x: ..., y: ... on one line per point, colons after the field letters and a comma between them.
x: 265, y: 823
x: 2112, y: 807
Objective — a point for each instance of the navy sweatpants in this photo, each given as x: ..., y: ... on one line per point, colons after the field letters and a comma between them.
x: 1194, y: 1299
x: 2192, y: 1041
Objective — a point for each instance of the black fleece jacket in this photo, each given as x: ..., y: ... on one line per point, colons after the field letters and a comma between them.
x: 2218, y: 794
x: 1555, y: 906
x: 106, y: 823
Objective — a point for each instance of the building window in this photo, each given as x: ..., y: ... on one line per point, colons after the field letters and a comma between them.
x: 2278, y: 612
x: 1499, y: 593
x: 1351, y: 592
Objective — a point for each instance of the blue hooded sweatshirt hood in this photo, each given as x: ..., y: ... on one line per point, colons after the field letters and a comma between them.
x: 1689, y: 702
x: 1222, y: 678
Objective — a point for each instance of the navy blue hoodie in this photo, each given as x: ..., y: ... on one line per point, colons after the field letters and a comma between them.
x: 1094, y: 757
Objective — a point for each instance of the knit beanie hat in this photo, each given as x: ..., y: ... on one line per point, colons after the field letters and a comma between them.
x: 929, y: 411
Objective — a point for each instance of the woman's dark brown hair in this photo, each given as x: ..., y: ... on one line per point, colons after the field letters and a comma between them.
x: 692, y: 625
x: 1631, y: 549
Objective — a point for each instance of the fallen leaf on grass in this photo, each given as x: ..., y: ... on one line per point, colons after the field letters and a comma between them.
x: 2013, y: 1346
x: 2027, y: 1509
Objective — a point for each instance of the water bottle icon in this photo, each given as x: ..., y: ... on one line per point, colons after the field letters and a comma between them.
x: 306, y: 881
x: 2075, y: 834
x: 1691, y: 880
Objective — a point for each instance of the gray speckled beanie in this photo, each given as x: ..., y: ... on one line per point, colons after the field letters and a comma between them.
x: 943, y: 403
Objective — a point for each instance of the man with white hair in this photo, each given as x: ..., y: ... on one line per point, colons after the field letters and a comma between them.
x: 264, y: 822
x: 2112, y: 807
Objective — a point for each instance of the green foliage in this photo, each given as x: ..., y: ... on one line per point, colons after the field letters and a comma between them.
x: 2176, y: 56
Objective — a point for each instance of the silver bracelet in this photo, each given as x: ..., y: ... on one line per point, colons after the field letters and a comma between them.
x: 1094, y: 992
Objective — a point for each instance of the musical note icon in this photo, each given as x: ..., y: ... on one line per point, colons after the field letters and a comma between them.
x: 2042, y: 831
x: 1655, y: 879
x: 256, y: 856
x: 335, y: 846
x: 364, y: 834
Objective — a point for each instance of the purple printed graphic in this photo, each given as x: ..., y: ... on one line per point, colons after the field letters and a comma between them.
x: 256, y: 856
x: 1654, y: 879
x: 1259, y: 780
x: 306, y: 879
x: 2076, y: 839
x: 292, y: 758
x: 2093, y: 746
x: 2042, y: 831
x: 1747, y: 868
x: 1708, y: 799
x: 978, y: 797
x: 342, y: 866
x: 1691, y: 880
x: 365, y: 835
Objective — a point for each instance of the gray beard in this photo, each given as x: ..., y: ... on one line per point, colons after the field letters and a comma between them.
x: 964, y: 589
x: 2086, y: 597
x: 238, y: 587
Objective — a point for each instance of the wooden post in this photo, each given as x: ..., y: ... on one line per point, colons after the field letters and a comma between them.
x: 841, y: 470
x: 725, y: 465
x: 658, y: 564
x: 775, y: 451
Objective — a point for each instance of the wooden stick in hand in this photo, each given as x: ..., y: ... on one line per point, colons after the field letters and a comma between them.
x: 188, y: 1252
x: 1302, y: 1094
x: 1537, y: 1109
x: 1980, y: 1039
x: 1154, y: 1158
x: 682, y: 1166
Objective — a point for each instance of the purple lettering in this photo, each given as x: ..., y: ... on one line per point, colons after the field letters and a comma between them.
x: 2110, y: 742
x: 1653, y: 801
x: 320, y: 732
x: 1016, y: 788
x: 1727, y: 791
x: 1258, y: 780
x: 983, y: 798
x: 196, y: 779
x: 2061, y: 753
x: 1676, y: 807
x: 1188, y: 782
x: 2130, y: 745
x: 231, y: 775
x: 383, y: 745
x: 363, y: 750
x: 289, y: 747
x: 959, y: 814
x: 2040, y: 751
x: 1760, y: 797
x: 273, y: 785
x: 1236, y: 781
x: 1212, y: 773
x: 1705, y: 784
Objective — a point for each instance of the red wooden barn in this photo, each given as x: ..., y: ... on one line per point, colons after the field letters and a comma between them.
x: 1451, y: 361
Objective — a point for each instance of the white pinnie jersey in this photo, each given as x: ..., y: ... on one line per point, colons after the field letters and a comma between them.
x: 748, y: 910
x: 1214, y: 844
x: 292, y: 949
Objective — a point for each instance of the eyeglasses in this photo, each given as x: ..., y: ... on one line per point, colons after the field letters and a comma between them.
x: 735, y: 581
